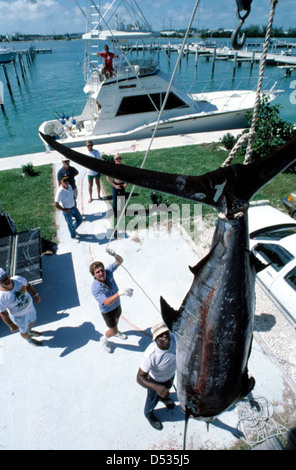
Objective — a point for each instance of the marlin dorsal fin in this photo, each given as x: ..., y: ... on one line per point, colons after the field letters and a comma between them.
x: 169, y: 314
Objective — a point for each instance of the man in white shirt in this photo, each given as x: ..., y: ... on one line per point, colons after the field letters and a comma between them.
x: 65, y: 202
x: 93, y: 175
x: 16, y: 305
x: 157, y: 371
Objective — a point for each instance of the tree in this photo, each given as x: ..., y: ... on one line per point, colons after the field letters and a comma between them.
x: 271, y: 131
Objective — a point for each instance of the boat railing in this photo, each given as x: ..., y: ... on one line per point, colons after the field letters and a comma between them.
x: 245, y: 83
x: 122, y: 69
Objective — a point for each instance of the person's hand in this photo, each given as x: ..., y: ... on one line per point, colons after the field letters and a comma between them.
x: 37, y: 299
x: 162, y: 391
x: 110, y: 252
x: 13, y: 328
x: 128, y: 292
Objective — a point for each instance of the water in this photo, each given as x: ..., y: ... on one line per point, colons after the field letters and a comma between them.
x: 54, y: 85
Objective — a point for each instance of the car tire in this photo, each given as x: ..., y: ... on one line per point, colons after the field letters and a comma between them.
x: 293, y: 213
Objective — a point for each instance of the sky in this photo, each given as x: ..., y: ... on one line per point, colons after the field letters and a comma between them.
x: 64, y: 16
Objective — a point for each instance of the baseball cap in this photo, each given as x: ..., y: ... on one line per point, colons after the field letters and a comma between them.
x: 3, y: 274
x: 65, y: 159
x: 158, y: 329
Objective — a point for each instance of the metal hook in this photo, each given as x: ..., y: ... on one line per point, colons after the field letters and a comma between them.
x: 237, y: 45
x: 242, y: 5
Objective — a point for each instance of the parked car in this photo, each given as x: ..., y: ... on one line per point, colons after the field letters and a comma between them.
x: 290, y: 204
x: 273, y: 241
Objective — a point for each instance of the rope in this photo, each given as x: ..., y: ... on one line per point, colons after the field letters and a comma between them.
x: 251, y: 135
x: 257, y: 422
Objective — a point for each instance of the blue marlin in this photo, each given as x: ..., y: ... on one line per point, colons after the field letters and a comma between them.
x: 214, y: 325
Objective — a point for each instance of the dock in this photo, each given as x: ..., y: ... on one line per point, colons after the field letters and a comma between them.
x: 43, y: 51
x: 222, y: 53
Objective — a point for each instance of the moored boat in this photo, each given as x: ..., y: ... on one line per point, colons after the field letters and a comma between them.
x: 140, y: 97
x: 7, y: 55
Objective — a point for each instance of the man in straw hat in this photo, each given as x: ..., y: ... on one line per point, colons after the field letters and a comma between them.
x: 157, y: 371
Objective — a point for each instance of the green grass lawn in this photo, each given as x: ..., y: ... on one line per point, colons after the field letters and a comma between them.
x: 29, y: 199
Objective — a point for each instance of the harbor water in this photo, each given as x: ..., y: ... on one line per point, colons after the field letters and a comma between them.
x: 53, y: 86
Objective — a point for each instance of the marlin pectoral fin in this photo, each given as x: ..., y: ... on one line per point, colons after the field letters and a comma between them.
x: 227, y: 189
x: 197, y: 188
x: 169, y: 315
x: 256, y: 263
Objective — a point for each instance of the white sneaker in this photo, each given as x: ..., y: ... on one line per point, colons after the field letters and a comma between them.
x: 105, y: 344
x: 120, y: 335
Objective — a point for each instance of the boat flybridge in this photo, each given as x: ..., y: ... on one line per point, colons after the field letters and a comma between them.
x: 130, y: 104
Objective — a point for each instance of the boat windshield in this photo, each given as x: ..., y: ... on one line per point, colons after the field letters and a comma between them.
x: 135, y: 67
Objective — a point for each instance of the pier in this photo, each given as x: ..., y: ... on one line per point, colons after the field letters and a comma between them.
x: 211, y: 52
x: 221, y: 53
x: 22, y: 56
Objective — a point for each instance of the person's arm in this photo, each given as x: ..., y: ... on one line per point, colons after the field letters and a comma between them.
x: 118, y: 259
x: 34, y: 293
x: 57, y: 206
x: 142, y: 380
x: 5, y: 318
x: 110, y: 300
x: 111, y: 182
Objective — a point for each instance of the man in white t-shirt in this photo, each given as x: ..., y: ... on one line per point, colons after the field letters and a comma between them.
x: 93, y: 175
x: 157, y: 371
x: 65, y: 202
x: 16, y: 305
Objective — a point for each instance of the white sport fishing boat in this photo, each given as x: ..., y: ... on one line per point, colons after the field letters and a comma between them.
x: 7, y: 55
x: 127, y: 105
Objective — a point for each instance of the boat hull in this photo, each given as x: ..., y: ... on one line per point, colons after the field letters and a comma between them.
x: 183, y: 125
x: 7, y: 57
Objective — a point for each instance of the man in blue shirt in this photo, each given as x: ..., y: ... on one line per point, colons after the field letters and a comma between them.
x: 107, y: 294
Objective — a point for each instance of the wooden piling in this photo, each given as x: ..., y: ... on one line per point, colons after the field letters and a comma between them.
x: 23, y: 70
x: 214, y: 61
x: 7, y: 79
x: 252, y: 61
x: 234, y: 65
x: 16, y: 74
x: 2, y: 97
x: 196, y: 57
